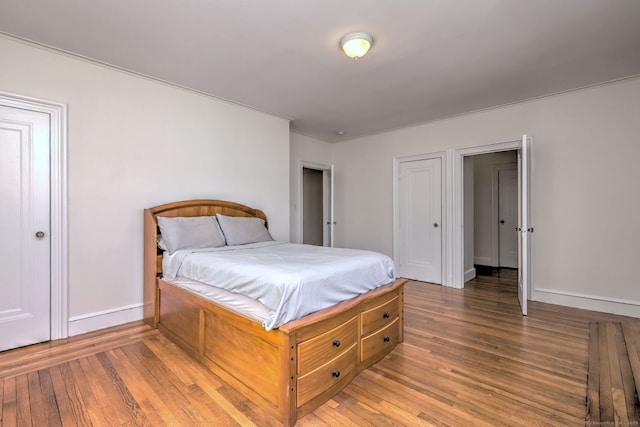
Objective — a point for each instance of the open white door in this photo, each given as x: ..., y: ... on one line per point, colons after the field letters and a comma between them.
x: 332, y: 220
x: 524, y: 223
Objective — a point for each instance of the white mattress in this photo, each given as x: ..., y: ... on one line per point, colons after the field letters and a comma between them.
x: 237, y: 303
x: 290, y: 280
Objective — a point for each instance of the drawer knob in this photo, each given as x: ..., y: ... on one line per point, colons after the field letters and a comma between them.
x: 336, y: 343
x: 386, y: 315
x: 386, y: 339
x: 336, y: 373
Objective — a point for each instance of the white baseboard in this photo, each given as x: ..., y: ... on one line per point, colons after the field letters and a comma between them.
x: 104, y: 319
x: 470, y: 274
x: 482, y: 261
x: 588, y: 302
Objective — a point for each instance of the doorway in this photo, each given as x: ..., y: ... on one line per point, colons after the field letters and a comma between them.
x: 316, y: 212
x: 33, y: 183
x: 312, y: 207
x: 491, y: 210
x: 461, y: 221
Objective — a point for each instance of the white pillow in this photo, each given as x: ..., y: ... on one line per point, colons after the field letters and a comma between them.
x: 242, y: 230
x: 190, y: 232
x: 161, y: 244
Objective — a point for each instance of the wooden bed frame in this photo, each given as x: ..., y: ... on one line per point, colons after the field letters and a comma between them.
x: 288, y: 371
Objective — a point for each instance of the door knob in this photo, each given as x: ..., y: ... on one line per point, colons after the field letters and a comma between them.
x: 435, y: 225
x: 39, y: 234
x: 502, y: 221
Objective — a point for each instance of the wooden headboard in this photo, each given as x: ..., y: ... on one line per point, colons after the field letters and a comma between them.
x: 186, y: 208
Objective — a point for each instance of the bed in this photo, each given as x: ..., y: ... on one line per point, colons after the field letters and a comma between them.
x: 288, y: 369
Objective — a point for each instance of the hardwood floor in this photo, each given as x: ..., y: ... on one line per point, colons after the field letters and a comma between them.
x: 469, y: 358
x: 614, y: 373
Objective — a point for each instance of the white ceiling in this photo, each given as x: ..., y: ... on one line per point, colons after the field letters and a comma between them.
x: 431, y: 58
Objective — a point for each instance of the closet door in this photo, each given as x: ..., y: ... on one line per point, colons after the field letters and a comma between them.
x: 508, y: 217
x: 24, y: 226
x: 330, y: 200
x: 420, y: 214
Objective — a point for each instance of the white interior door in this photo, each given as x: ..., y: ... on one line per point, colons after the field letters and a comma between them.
x: 420, y: 214
x: 508, y: 217
x: 524, y: 227
x: 331, y: 199
x: 24, y: 227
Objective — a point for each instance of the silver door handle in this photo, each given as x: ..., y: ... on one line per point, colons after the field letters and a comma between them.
x: 39, y: 234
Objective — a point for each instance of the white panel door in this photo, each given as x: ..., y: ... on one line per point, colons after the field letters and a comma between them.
x: 24, y: 227
x: 508, y: 217
x: 420, y: 213
x: 331, y: 200
x: 524, y: 226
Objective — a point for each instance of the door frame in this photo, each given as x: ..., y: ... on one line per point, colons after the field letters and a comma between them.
x: 445, y: 208
x: 327, y: 209
x: 457, y: 262
x: 59, y: 317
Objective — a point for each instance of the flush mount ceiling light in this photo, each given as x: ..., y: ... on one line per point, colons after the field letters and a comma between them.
x: 356, y: 45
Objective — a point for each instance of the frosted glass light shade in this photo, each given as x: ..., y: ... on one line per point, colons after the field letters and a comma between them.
x: 356, y: 45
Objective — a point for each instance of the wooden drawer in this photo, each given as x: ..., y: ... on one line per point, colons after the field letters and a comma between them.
x: 315, y: 352
x: 332, y: 376
x: 379, y: 316
x: 379, y: 343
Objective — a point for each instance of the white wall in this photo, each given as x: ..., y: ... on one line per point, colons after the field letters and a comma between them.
x: 585, y: 198
x: 135, y: 143
x: 303, y: 149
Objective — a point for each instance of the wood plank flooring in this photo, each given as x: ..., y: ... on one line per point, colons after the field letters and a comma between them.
x: 469, y: 358
x: 612, y: 392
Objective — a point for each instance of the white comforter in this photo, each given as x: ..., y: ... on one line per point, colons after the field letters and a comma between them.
x: 291, y: 280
